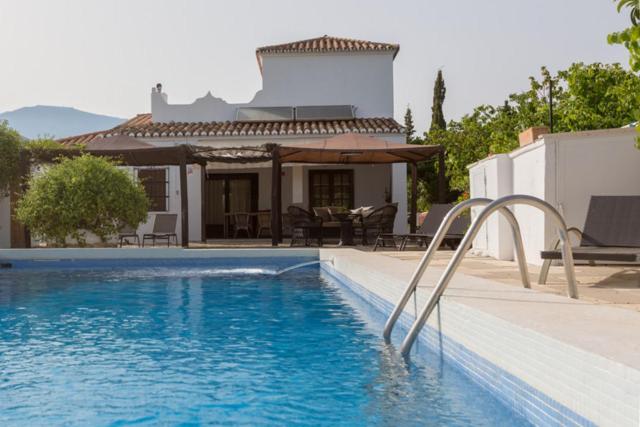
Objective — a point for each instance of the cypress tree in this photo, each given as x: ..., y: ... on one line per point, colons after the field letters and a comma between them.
x: 409, y: 128
x: 437, y: 116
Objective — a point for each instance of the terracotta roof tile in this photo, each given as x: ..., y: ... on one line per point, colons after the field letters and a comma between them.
x: 141, y: 126
x: 329, y: 44
x: 85, y: 138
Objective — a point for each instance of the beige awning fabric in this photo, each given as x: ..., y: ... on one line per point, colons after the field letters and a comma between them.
x: 348, y: 148
x: 353, y: 148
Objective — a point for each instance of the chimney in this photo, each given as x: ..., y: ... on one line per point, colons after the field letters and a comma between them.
x: 158, y: 101
x: 532, y: 134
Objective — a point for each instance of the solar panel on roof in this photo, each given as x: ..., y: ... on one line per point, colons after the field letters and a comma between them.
x: 324, y: 112
x: 264, y: 114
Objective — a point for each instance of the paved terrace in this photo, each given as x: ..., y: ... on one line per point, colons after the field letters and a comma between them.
x: 607, y: 284
x: 615, y: 285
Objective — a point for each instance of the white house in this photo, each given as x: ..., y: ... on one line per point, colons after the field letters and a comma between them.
x: 312, y: 89
x: 564, y: 169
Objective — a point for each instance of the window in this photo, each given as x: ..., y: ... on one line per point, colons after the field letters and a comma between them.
x: 156, y: 184
x: 331, y: 188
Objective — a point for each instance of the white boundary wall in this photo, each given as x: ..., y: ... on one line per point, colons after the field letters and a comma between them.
x: 492, y: 179
x: 564, y: 169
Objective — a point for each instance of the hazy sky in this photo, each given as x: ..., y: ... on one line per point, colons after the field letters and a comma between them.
x: 104, y: 56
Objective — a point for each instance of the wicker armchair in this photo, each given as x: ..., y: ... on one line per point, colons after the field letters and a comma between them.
x: 304, y: 225
x: 379, y: 222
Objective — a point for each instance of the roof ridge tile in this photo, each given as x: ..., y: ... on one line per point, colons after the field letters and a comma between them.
x: 142, y: 126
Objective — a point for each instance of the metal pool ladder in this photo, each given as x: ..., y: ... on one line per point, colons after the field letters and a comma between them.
x: 501, y: 205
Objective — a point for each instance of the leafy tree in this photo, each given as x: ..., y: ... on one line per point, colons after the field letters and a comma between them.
x: 428, y: 171
x: 409, y: 128
x: 629, y: 37
x: 79, y: 195
x: 597, y: 97
x: 439, y: 91
x: 586, y: 97
x: 18, y: 155
x: 10, y: 146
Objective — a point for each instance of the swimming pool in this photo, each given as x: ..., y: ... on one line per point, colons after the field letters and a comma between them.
x: 212, y: 341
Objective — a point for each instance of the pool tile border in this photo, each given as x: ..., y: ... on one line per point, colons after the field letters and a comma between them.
x: 522, y: 398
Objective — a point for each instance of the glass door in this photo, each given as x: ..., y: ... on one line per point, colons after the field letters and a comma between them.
x: 226, y: 194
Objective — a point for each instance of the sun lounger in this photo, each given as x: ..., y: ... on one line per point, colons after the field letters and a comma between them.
x: 430, y: 225
x: 164, y: 227
x: 611, y: 233
x: 128, y: 232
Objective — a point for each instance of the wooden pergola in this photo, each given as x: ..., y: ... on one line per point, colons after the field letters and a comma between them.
x: 134, y: 152
x: 349, y: 148
x: 352, y: 148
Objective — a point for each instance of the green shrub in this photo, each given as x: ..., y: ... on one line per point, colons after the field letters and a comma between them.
x: 79, y: 195
x: 10, y: 145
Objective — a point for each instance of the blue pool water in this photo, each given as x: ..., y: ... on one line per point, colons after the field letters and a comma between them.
x: 200, y: 344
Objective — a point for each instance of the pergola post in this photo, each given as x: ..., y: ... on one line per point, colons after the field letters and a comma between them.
x: 184, y: 199
x: 276, y: 197
x: 442, y: 183
x: 414, y: 198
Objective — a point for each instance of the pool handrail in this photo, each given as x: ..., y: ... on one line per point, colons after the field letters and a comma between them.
x: 455, y: 261
x: 544, y: 271
x: 439, y: 236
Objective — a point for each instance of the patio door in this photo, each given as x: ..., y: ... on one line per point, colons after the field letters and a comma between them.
x: 226, y: 194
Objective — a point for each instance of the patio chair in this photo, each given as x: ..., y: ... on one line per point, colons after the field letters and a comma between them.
x: 611, y: 234
x: 264, y: 222
x: 127, y: 232
x: 164, y: 227
x: 286, y: 225
x: 304, y: 225
x: 380, y: 221
x: 430, y: 225
x: 242, y: 223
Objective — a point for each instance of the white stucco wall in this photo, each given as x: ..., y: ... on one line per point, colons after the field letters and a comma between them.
x: 564, y: 169
x: 194, y: 190
x: 530, y: 177
x: 362, y: 79
x: 491, y: 178
x: 5, y: 223
x: 594, y: 163
x: 399, y: 196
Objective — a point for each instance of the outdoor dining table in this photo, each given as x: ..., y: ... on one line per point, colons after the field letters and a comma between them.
x: 346, y: 228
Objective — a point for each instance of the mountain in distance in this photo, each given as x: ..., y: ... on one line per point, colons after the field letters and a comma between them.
x: 57, y: 122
